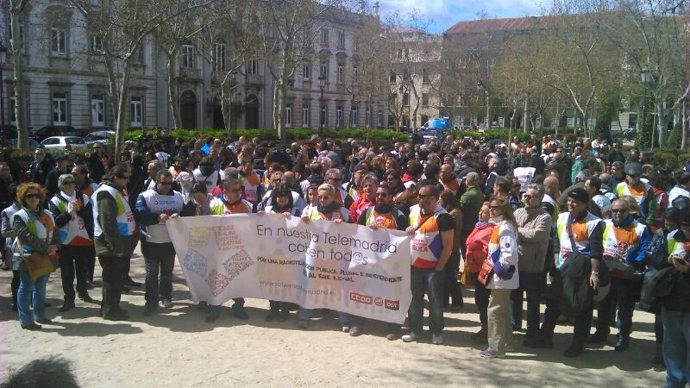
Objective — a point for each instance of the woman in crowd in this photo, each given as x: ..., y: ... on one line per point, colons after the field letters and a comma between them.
x: 503, y: 254
x: 328, y: 209
x: 74, y: 217
x: 35, y: 231
x: 280, y: 202
x: 368, y: 198
x: 452, y: 293
x: 477, y: 251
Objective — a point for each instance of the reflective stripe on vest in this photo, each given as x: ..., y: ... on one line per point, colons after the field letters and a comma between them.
x: 41, y: 228
x: 124, y: 219
x: 621, y: 244
x: 581, y: 233
x: 426, y: 245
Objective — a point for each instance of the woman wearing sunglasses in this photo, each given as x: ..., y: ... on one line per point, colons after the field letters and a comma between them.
x: 35, y: 231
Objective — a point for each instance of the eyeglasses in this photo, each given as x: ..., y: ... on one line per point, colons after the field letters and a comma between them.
x: 422, y: 196
x: 32, y: 195
x: 165, y: 183
x: 619, y: 210
x: 323, y: 197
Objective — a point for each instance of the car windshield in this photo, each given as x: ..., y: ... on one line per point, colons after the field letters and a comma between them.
x: 74, y: 140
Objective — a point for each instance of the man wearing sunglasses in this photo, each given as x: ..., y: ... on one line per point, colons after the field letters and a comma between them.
x: 153, y: 208
x: 641, y: 191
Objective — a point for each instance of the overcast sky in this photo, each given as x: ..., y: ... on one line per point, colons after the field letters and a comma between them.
x: 445, y: 13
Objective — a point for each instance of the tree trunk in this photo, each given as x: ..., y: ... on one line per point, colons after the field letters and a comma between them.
x: 122, y: 108
x: 18, y: 62
x: 173, y: 90
x: 684, y: 125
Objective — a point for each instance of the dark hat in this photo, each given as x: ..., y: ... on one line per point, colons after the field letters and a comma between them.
x: 634, y: 169
x: 579, y: 194
x: 361, y: 166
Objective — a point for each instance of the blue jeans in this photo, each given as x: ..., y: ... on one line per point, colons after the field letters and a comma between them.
x: 676, y: 347
x: 621, y: 295
x: 427, y: 281
x: 31, y: 294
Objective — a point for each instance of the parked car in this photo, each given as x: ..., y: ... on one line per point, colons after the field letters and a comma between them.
x: 101, y: 137
x: 57, y: 130
x: 33, y: 144
x: 63, y: 142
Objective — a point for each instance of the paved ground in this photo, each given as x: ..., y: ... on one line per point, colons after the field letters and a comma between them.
x: 177, y: 348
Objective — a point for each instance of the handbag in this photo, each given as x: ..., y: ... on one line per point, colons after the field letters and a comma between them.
x: 486, y: 272
x: 465, y: 278
x: 36, y: 263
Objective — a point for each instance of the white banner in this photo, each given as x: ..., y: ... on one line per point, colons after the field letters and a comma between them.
x: 343, y: 267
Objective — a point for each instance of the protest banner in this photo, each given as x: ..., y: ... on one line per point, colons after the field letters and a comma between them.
x: 342, y: 267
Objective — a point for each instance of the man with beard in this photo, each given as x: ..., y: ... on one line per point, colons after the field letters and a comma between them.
x: 625, y: 243
x: 448, y: 179
x: 115, y: 237
x: 641, y: 191
x: 382, y: 215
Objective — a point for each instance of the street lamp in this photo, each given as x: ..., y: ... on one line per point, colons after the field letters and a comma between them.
x: 3, y: 53
x: 481, y: 86
x: 323, y: 82
x: 646, y: 79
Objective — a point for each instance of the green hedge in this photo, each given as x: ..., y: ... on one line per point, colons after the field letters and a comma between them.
x: 272, y: 135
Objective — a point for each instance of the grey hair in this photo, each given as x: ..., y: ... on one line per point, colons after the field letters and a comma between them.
x: 539, y: 188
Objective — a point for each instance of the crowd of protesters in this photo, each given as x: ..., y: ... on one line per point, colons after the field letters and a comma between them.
x: 579, y: 223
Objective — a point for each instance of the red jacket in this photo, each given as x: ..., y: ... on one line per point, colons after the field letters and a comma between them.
x: 477, y: 244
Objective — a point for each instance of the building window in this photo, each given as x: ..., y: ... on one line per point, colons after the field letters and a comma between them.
x: 323, y: 70
x: 341, y: 72
x: 136, y: 112
x: 253, y: 67
x: 59, y: 108
x: 425, y: 99
x: 324, y: 36
x: 97, y: 110
x: 425, y: 76
x: 96, y: 44
x: 355, y: 73
x: 58, y: 41
x: 393, y: 77
x: 406, y: 99
x: 288, y: 115
x: 354, y: 117
x: 219, y: 57
x: 379, y: 119
x: 306, y: 71
x: 306, y: 116
x: 356, y: 44
x: 341, y: 40
x: 187, y: 56
x: 339, y: 117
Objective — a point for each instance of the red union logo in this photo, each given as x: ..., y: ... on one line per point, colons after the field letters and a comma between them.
x: 364, y: 299
x: 392, y: 304
x: 378, y: 301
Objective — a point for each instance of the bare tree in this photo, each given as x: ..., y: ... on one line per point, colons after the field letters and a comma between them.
x: 17, y: 9
x: 122, y: 26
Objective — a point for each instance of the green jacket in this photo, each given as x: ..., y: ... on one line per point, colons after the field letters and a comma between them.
x: 470, y: 203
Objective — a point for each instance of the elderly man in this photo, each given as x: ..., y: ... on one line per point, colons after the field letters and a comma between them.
x: 432, y: 230
x: 534, y: 229
x: 577, y: 231
x: 625, y: 243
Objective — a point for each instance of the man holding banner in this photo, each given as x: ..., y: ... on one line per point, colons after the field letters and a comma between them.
x: 383, y: 215
x: 432, y: 230
x: 230, y: 202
